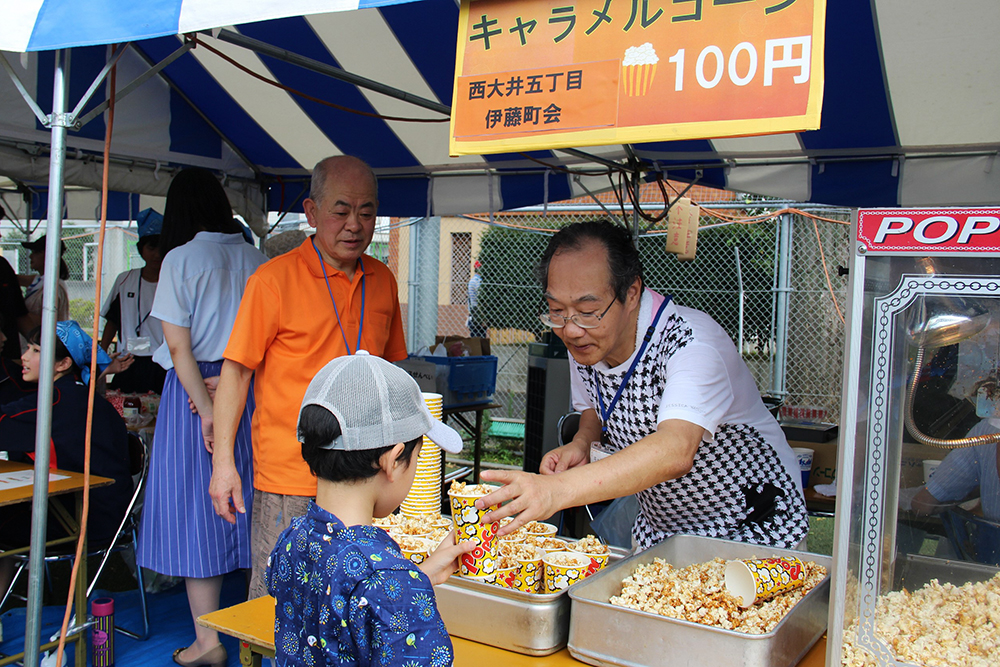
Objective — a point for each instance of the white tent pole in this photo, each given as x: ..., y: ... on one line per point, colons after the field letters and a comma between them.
x: 43, y: 431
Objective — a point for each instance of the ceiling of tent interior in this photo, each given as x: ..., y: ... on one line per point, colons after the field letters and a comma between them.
x: 911, y: 116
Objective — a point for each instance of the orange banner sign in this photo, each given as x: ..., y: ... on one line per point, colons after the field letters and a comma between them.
x: 534, y: 74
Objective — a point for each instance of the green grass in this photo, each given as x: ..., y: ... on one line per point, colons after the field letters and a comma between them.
x: 509, y: 451
x: 820, y: 539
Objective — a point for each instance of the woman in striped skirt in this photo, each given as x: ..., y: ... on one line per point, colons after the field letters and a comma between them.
x: 205, y: 269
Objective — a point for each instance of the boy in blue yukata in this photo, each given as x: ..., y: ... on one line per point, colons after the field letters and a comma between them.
x: 344, y: 593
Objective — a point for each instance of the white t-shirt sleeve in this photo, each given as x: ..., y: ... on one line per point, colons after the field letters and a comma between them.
x: 698, y: 389
x: 578, y: 391
x: 113, y: 294
x: 172, y: 304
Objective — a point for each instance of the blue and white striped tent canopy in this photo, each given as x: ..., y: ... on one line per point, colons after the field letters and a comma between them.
x: 911, y: 112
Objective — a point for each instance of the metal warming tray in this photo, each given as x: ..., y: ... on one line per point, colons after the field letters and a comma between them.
x: 603, y: 634
x: 914, y: 572
x: 508, y: 619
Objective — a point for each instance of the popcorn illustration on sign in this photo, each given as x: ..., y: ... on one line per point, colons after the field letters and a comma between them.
x: 639, y: 68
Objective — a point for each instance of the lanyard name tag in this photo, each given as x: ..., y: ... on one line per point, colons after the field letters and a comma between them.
x: 139, y: 344
x: 598, y: 452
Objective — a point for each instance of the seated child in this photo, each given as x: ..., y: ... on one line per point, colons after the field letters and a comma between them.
x: 109, y: 444
x: 344, y: 594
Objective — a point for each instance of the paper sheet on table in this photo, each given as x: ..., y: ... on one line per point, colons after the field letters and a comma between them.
x: 17, y: 478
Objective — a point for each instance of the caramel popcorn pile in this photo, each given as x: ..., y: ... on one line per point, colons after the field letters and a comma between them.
x: 589, y: 545
x: 411, y: 544
x: 565, y: 559
x: 537, y: 528
x: 547, y: 543
x: 466, y: 489
x: 507, y: 562
x: 698, y: 593
x: 940, y: 625
x: 398, y: 524
x: 520, y: 551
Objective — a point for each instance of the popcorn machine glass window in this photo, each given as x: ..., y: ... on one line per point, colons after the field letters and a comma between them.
x: 917, y: 544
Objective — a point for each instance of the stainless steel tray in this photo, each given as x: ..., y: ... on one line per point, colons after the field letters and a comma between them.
x: 604, y: 634
x: 914, y: 571
x: 511, y: 620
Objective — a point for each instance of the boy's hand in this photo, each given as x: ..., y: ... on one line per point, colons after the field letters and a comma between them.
x: 443, y: 562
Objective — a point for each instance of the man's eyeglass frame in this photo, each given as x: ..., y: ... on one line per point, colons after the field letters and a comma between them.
x: 547, y: 318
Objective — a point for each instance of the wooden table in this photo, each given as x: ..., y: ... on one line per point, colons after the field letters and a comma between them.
x: 72, y: 484
x: 253, y: 624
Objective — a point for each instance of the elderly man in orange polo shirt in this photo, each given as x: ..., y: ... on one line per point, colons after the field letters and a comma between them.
x: 300, y: 310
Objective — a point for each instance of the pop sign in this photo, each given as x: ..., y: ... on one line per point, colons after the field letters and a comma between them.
x: 929, y: 231
x: 536, y: 74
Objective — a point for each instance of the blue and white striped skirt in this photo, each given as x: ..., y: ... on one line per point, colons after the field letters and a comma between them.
x: 180, y: 534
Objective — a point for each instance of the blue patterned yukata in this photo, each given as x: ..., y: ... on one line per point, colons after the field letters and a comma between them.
x: 347, y: 596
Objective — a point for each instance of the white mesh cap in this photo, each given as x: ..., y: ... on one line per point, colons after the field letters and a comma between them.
x: 377, y: 404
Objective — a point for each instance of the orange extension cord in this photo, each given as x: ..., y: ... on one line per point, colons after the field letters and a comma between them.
x: 93, y: 372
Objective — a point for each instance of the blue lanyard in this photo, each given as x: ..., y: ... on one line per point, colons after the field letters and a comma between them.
x: 606, y: 413
x: 361, y: 324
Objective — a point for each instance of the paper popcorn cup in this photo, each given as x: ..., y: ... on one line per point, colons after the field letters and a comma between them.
x: 529, y: 575
x: 563, y: 569
x: 507, y: 576
x: 593, y: 547
x: 597, y: 562
x: 490, y: 578
x: 761, y: 579
x: 415, y: 549
x: 470, y: 527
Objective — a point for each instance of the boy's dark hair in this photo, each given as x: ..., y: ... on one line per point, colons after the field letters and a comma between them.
x: 624, y: 263
x: 152, y: 240
x: 318, y: 427
x: 35, y: 338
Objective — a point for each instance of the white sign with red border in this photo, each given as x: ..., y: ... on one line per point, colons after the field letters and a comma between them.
x: 942, y: 231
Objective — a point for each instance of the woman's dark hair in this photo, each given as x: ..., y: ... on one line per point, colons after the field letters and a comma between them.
x: 63, y: 269
x: 624, y: 263
x: 196, y: 203
x: 318, y: 427
x: 35, y: 338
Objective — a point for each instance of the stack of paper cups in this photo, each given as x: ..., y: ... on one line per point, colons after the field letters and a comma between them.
x: 425, y: 495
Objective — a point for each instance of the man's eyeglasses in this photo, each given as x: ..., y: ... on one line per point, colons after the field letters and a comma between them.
x: 582, y: 320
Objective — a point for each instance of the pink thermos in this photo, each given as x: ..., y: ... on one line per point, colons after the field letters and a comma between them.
x: 103, y: 634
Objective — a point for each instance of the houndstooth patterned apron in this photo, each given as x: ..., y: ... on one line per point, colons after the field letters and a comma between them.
x: 737, y: 488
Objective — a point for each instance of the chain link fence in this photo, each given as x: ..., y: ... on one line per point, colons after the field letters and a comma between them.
x: 80, y: 255
x: 734, y: 278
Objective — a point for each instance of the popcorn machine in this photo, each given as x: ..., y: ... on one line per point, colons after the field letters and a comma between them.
x: 918, y: 471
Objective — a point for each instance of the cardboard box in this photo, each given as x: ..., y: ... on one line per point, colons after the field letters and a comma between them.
x: 477, y: 347
x: 911, y: 471
x: 824, y: 470
x: 911, y: 464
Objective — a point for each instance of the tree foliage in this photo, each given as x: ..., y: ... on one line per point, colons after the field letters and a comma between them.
x: 710, y: 282
x: 510, y: 297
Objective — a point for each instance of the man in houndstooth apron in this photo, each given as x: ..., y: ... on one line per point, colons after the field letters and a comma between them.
x: 670, y: 411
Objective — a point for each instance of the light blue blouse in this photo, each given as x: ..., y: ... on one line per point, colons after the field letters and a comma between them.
x: 201, y: 285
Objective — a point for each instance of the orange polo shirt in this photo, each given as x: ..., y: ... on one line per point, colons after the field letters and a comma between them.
x: 286, y: 330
